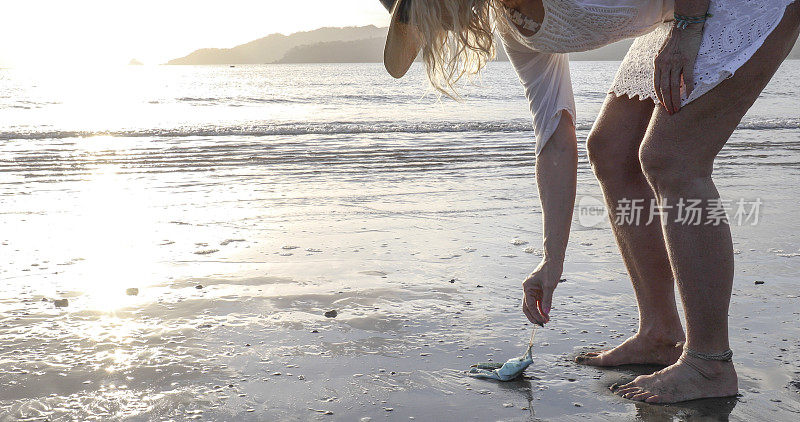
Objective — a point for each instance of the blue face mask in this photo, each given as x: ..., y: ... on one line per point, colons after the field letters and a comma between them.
x: 512, y: 369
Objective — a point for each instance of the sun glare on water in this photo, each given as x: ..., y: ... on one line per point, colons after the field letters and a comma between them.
x: 113, y: 231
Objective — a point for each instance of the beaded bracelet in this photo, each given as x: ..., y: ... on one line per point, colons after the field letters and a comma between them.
x: 520, y: 19
x: 681, y: 21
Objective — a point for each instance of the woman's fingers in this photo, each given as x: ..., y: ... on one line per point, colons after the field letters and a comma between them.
x: 530, y: 303
x: 675, y: 89
x: 688, y: 79
x: 544, y: 304
x: 527, y: 311
x: 665, y: 94
x: 657, y: 83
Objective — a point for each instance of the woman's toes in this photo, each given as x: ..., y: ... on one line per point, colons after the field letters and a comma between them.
x: 586, y: 357
x: 644, y: 395
x: 622, y: 391
x: 655, y: 398
x: 617, y: 385
x: 596, y: 359
x: 634, y: 392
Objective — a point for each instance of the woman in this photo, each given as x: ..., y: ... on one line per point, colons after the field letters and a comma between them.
x: 682, y: 89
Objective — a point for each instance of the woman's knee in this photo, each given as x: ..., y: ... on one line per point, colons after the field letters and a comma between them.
x: 670, y: 172
x: 611, y: 156
x: 614, y: 141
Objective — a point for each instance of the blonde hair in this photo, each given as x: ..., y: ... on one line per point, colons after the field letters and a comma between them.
x: 457, y: 38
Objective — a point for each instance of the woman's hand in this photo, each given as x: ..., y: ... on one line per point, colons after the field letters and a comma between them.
x: 674, y: 62
x: 556, y: 178
x: 538, y: 289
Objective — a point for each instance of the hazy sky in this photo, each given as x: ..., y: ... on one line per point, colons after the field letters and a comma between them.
x: 154, y: 31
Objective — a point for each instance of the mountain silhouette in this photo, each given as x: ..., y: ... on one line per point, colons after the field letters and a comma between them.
x: 273, y: 47
x: 362, y: 44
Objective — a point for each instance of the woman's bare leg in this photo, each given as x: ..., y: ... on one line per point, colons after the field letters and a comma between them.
x: 677, y: 157
x: 613, y: 147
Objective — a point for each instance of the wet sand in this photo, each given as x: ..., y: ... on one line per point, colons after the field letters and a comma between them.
x: 235, y: 271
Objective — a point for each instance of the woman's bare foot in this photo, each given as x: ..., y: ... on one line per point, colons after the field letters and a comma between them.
x: 638, y: 350
x: 688, y: 379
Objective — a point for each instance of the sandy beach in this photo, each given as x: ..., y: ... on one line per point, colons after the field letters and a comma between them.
x: 239, y: 245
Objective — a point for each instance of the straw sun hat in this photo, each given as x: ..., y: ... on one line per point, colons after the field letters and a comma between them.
x: 403, y: 42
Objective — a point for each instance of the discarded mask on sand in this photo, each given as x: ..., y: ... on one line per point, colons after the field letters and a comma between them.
x: 512, y: 369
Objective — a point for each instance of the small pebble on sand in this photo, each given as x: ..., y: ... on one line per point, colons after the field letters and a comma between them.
x: 133, y: 291
x: 61, y: 303
x: 324, y: 412
x: 759, y: 282
x: 198, y: 287
x: 206, y: 251
x: 331, y: 314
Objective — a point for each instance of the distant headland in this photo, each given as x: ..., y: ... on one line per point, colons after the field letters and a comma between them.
x: 355, y: 44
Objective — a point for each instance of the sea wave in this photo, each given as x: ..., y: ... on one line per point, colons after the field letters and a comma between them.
x: 337, y: 128
x: 288, y: 129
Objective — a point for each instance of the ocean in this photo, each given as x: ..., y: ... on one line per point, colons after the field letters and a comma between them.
x: 245, y: 202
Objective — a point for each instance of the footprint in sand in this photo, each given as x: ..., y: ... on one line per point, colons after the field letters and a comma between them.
x: 227, y: 242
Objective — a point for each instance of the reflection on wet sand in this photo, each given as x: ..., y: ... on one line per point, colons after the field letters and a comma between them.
x: 718, y: 409
x: 287, y: 278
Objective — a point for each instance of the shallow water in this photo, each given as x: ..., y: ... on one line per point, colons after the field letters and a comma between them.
x: 289, y: 191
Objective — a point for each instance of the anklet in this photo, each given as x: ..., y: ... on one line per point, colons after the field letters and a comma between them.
x: 725, y: 356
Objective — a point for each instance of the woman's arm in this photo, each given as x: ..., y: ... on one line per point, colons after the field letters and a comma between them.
x: 675, y: 61
x: 548, y: 88
x: 556, y: 174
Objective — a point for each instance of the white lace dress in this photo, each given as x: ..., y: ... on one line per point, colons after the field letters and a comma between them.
x: 734, y: 33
